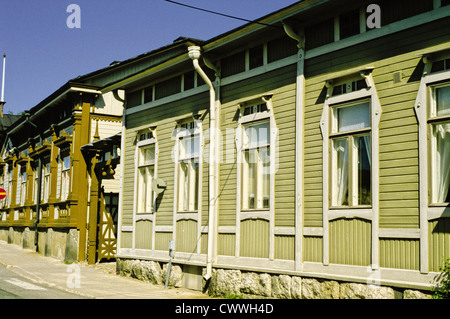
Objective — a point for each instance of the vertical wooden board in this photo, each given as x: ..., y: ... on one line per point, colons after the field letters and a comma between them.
x: 226, y: 244
x: 313, y: 249
x: 187, y: 238
x: 399, y: 253
x: 143, y: 234
x: 438, y: 243
x: 204, y: 243
x: 126, y: 240
x: 284, y: 247
x: 350, y: 242
x: 162, y: 240
x: 254, y: 239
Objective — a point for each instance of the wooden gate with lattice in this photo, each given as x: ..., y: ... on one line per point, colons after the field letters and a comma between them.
x: 107, y: 226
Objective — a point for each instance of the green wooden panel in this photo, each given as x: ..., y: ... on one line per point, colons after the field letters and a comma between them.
x: 350, y: 242
x: 400, y: 253
x: 226, y: 244
x: 126, y: 240
x: 204, y: 243
x: 284, y: 247
x: 187, y: 236
x: 313, y: 249
x: 162, y: 240
x: 143, y: 234
x: 254, y: 239
x: 439, y: 242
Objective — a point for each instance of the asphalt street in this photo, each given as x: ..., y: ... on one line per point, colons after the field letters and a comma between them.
x: 13, y: 286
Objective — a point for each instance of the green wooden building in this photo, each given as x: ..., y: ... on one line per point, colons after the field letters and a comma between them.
x: 312, y: 143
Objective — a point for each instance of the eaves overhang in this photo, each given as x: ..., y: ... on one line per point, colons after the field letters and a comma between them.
x: 169, y: 62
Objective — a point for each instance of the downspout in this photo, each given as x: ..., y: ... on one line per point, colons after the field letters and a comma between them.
x: 121, y: 181
x: 299, y: 124
x: 194, y: 54
x: 39, y: 188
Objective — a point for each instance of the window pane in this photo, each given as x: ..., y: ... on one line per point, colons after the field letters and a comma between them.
x: 145, y: 194
x: 188, y: 183
x: 256, y: 179
x: 147, y: 155
x: 256, y: 57
x: 340, y: 172
x: 256, y: 135
x: 364, y: 194
x: 353, y: 117
x: 443, y: 100
x: 190, y: 147
x: 441, y: 169
x: 66, y: 162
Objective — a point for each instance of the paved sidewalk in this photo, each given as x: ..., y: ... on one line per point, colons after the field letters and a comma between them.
x: 85, y: 280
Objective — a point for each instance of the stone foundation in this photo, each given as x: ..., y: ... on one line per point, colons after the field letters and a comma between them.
x: 237, y: 283
x: 61, y: 244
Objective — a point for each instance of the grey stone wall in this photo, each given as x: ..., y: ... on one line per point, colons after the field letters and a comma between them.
x: 237, y: 283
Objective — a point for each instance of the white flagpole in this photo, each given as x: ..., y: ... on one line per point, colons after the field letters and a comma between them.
x: 2, y: 101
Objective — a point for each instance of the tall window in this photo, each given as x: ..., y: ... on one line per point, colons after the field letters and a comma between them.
x: 350, y: 155
x: 21, y: 185
x: 188, y: 168
x: 45, y: 188
x: 65, y: 177
x: 440, y: 144
x: 256, y: 166
x: 9, y: 183
x: 146, y: 170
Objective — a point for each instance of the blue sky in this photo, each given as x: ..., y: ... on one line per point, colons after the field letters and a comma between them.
x: 42, y: 53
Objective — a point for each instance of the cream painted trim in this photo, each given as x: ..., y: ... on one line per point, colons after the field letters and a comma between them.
x: 140, y: 216
x: 196, y: 216
x: 350, y: 213
x: 227, y: 229
x: 299, y: 126
x: 313, y: 231
x: 375, y: 115
x: 270, y: 214
x: 410, y: 233
x: 163, y: 229
x: 435, y: 212
x: 280, y: 230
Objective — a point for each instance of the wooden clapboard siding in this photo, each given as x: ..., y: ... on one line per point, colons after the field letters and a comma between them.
x: 281, y: 83
x: 164, y: 117
x: 398, y: 130
x: 312, y: 166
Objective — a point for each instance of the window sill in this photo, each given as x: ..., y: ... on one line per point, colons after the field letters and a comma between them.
x: 360, y: 212
x: 436, y: 211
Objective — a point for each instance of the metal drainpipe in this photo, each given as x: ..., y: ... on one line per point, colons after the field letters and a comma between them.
x: 194, y: 54
x: 39, y: 188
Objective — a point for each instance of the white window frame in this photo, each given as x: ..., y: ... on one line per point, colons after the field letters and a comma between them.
x: 147, y: 141
x: 433, y: 120
x: 352, y: 174
x: 46, y: 180
x: 140, y: 147
x: 65, y: 177
x: 367, y: 213
x: 255, y: 117
x: 194, y: 129
x: 428, y: 212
